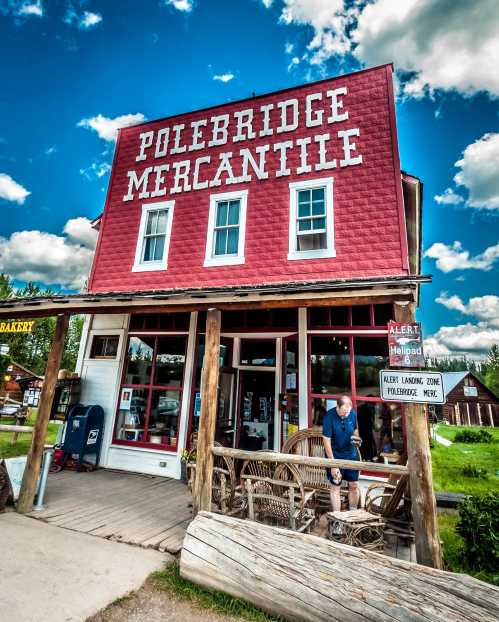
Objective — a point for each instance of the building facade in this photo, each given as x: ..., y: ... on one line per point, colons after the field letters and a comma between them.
x: 468, y: 401
x: 290, y: 213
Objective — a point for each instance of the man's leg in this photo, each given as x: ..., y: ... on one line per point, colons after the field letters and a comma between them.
x: 334, y: 492
x: 353, y: 495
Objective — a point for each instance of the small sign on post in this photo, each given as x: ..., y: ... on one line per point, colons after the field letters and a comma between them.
x: 405, y: 344
x: 421, y: 387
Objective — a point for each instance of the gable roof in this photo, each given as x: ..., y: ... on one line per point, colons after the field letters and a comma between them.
x: 451, y: 379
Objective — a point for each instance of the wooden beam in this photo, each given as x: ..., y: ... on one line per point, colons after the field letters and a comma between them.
x: 279, y: 458
x: 33, y: 464
x: 424, y: 506
x: 208, y: 417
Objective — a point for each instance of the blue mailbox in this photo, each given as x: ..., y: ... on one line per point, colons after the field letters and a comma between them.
x: 84, y: 430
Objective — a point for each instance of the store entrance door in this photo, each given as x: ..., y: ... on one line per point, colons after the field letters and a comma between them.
x: 256, y: 410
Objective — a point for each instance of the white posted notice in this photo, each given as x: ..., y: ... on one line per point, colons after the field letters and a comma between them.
x: 423, y: 387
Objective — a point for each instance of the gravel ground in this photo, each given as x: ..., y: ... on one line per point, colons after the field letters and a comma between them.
x: 153, y: 605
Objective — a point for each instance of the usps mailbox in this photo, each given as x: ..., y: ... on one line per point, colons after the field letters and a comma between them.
x: 84, y: 430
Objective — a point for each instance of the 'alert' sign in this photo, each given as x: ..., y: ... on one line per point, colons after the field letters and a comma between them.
x: 405, y: 344
x: 421, y: 387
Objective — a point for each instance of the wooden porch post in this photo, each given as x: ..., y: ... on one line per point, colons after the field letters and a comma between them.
x: 208, y: 418
x: 424, y: 506
x: 33, y: 464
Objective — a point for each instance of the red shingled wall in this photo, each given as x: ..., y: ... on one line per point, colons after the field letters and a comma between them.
x: 370, y: 234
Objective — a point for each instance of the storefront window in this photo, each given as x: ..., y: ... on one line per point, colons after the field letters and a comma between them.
x: 149, y: 415
x: 380, y: 426
x: 370, y: 356
x: 330, y: 365
x: 258, y: 352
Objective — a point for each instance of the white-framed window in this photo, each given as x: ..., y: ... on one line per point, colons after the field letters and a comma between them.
x: 154, y: 237
x: 311, y: 221
x: 226, y: 229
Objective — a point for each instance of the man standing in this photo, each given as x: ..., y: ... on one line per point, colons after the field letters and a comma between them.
x: 340, y: 424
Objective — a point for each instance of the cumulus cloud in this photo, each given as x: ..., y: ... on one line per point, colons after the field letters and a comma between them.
x: 483, y: 308
x: 21, y: 8
x: 10, y: 190
x: 448, y: 197
x: 267, y: 3
x: 80, y: 231
x: 89, y: 19
x: 48, y: 258
x: 31, y: 8
x: 461, y: 340
x: 83, y: 21
x: 453, y: 257
x: 445, y: 45
x: 479, y: 172
x: 107, y: 128
x: 224, y: 77
x: 181, y: 5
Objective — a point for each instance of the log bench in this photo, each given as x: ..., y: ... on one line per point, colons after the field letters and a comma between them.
x: 303, y: 577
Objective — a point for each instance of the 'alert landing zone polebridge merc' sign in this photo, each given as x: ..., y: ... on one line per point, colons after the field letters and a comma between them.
x: 412, y: 386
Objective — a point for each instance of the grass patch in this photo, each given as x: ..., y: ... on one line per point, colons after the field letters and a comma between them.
x: 448, y: 464
x: 21, y: 448
x: 169, y: 580
x: 450, y: 431
x: 453, y: 548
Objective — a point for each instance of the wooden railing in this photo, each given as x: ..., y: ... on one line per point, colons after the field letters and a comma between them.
x: 269, y: 456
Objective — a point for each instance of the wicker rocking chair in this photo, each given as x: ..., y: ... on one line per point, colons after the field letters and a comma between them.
x: 275, y: 495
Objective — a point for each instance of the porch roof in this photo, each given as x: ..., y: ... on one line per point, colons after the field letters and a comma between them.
x: 333, y: 292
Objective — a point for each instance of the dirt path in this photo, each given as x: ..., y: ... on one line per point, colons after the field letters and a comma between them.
x: 153, y: 605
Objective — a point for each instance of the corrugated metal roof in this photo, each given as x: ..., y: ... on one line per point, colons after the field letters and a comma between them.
x: 451, y: 379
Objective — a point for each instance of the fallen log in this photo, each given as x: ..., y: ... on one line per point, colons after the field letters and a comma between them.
x: 303, y: 577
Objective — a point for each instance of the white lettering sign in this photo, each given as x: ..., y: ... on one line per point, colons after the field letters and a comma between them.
x: 412, y: 386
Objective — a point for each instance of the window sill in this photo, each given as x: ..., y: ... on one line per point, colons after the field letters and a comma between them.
x: 319, y: 254
x: 142, y: 446
x: 152, y: 267
x: 223, y: 261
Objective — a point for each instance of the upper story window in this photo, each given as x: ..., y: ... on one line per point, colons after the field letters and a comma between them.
x: 104, y: 347
x: 154, y: 237
x: 311, y: 234
x: 226, y: 229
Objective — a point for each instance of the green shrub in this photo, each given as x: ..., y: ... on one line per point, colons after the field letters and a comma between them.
x: 471, y: 470
x: 473, y: 436
x: 478, y: 525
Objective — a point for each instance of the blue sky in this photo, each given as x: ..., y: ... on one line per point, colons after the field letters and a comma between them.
x: 72, y: 71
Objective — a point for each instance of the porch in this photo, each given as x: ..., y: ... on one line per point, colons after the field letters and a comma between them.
x: 144, y: 510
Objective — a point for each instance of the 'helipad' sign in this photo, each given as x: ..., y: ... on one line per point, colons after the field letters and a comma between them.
x: 412, y: 386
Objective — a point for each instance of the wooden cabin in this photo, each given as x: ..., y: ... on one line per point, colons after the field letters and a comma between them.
x: 468, y: 401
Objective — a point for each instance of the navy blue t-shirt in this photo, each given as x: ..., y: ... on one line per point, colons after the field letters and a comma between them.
x: 339, y: 430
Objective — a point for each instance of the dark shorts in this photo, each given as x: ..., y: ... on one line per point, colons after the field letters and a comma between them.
x: 347, y: 475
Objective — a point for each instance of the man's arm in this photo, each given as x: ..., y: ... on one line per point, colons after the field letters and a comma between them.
x: 327, y: 446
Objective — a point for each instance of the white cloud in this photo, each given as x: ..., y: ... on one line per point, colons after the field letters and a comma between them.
x: 224, y: 77
x: 79, y: 230
x: 181, y: 5
x: 267, y: 3
x: 483, y: 308
x: 479, y: 172
x: 293, y: 63
x: 289, y: 47
x: 48, y: 258
x: 10, y: 190
x: 453, y: 257
x: 445, y: 45
x: 107, y: 128
x: 31, y: 8
x: 460, y: 340
x: 50, y: 150
x: 97, y: 168
x: 89, y: 19
x: 448, y: 197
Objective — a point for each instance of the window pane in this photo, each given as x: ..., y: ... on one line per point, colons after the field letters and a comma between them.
x: 104, y: 347
x: 222, y: 208
x: 149, y: 249
x: 361, y: 315
x: 111, y: 346
x: 163, y: 419
x: 220, y: 241
x: 232, y: 240
x: 371, y: 355
x: 159, y: 248
x: 304, y: 209
x: 258, y: 352
x: 162, y: 220
x: 318, y: 316
x: 151, y: 222
x: 318, y: 194
x: 304, y: 225
x: 233, y: 218
x: 132, y: 414
x: 330, y: 365
x: 320, y: 406
x: 339, y: 316
x: 319, y: 223
x: 304, y: 197
x: 383, y: 314
x: 317, y: 241
x: 139, y: 360
x: 318, y: 208
x: 170, y: 361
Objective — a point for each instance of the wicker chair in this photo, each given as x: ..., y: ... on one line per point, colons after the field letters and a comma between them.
x: 392, y: 502
x: 275, y: 495
x: 309, y: 443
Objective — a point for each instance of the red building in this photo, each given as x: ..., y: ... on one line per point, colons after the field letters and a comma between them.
x: 289, y: 213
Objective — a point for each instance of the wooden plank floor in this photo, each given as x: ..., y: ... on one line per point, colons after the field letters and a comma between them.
x: 144, y: 510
